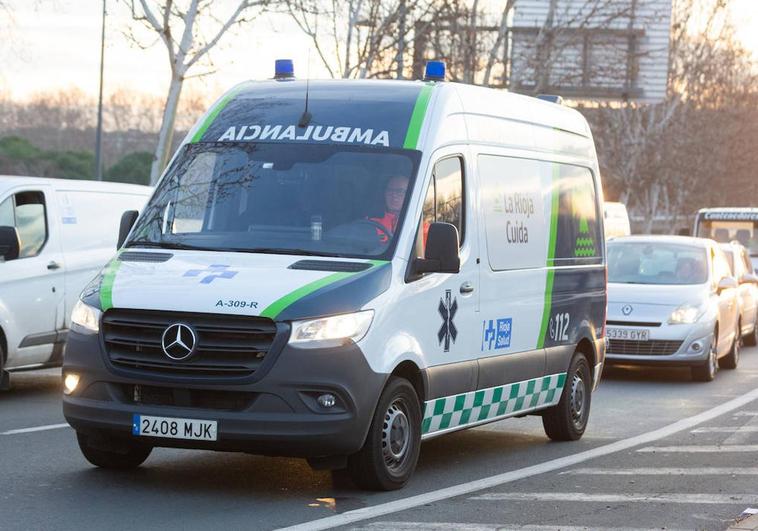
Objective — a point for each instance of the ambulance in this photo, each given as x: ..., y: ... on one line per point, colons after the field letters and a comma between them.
x: 340, y: 270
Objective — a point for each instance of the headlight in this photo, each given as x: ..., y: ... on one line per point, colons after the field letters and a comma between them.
x: 686, y: 314
x: 336, y: 329
x: 85, y: 318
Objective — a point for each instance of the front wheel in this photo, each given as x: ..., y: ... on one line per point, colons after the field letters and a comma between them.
x: 731, y: 360
x: 122, y: 456
x: 751, y: 339
x: 390, y: 453
x: 567, y: 420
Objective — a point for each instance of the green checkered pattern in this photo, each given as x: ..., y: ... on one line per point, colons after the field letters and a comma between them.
x: 488, y: 404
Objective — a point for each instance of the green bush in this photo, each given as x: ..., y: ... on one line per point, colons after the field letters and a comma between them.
x: 134, y: 168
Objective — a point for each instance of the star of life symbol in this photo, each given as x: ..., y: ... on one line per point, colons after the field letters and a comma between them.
x: 213, y: 272
x: 447, y: 308
x: 178, y: 341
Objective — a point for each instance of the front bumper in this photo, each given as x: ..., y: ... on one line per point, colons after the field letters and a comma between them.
x: 276, y: 415
x: 686, y: 355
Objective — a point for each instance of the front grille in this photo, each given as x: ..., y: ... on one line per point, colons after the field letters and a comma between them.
x: 227, y: 346
x: 632, y: 323
x: 192, y: 398
x: 643, y: 348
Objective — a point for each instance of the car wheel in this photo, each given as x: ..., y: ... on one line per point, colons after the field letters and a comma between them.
x: 752, y: 338
x: 123, y: 455
x: 5, y: 377
x: 390, y: 453
x: 706, y: 372
x: 567, y: 420
x: 731, y: 360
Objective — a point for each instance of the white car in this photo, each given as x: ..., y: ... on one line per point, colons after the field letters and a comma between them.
x: 672, y: 301
x: 742, y: 270
x: 55, y: 235
x: 616, y: 220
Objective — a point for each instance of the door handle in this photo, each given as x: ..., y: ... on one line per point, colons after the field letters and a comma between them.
x: 467, y: 287
x: 53, y: 265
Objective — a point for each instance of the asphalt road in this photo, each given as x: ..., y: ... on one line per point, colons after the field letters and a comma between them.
x: 692, y: 473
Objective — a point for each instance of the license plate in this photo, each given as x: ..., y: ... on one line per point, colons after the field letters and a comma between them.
x: 173, y: 428
x: 633, y: 334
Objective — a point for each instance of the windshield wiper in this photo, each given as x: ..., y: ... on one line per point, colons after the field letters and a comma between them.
x: 275, y: 250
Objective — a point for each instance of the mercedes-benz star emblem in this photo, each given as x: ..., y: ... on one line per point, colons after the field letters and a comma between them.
x: 627, y: 309
x: 178, y: 341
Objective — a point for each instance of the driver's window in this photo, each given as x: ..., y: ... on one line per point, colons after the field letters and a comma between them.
x: 26, y: 212
x: 443, y: 201
x: 6, y: 213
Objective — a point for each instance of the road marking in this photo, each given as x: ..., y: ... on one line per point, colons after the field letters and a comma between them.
x: 375, y: 511
x: 37, y: 428
x: 746, y: 414
x: 711, y: 499
x: 726, y: 429
x: 706, y: 449
x: 431, y: 526
x: 702, y: 471
x: 742, y: 435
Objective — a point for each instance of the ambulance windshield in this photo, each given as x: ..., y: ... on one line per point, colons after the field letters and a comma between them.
x: 321, y: 200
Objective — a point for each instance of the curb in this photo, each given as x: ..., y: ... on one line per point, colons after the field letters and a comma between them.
x: 748, y: 524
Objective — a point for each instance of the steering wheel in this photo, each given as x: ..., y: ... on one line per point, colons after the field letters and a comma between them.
x: 378, y: 226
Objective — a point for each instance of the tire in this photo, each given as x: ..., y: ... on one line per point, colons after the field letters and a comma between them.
x: 390, y: 453
x: 706, y: 372
x: 731, y: 360
x: 123, y: 456
x: 751, y: 339
x: 567, y: 420
x: 5, y: 377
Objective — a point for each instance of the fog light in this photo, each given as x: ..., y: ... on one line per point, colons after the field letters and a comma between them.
x: 327, y: 400
x: 70, y: 383
x: 696, y: 346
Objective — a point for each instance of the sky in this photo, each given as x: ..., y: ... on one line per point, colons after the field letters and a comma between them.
x: 55, y: 44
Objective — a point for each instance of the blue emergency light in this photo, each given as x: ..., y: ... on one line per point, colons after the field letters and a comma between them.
x: 284, y: 69
x: 435, y: 71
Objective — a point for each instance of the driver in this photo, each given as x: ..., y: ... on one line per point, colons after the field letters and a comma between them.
x: 394, y: 195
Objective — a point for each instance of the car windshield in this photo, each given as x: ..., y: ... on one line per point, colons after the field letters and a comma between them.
x: 656, y: 263
x: 281, y: 199
x: 725, y: 231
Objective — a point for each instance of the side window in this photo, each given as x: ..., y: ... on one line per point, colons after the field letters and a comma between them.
x: 721, y: 267
x: 6, y: 213
x: 31, y: 222
x: 444, y: 200
x: 578, y: 230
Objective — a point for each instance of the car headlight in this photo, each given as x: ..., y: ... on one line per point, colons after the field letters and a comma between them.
x: 85, y: 318
x: 686, y: 314
x: 331, y: 330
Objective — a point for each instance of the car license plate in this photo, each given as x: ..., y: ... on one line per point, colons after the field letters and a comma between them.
x: 634, y: 334
x: 173, y: 428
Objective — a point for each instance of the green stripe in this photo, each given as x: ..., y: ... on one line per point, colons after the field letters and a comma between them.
x: 276, y: 307
x: 550, y: 256
x: 417, y: 118
x: 106, y: 284
x: 213, y: 114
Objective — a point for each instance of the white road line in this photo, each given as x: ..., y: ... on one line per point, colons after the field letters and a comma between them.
x: 659, y: 471
x: 705, y: 449
x: 36, y: 428
x: 746, y: 414
x: 375, y: 511
x: 742, y: 435
x: 432, y: 526
x: 710, y: 499
x: 726, y: 429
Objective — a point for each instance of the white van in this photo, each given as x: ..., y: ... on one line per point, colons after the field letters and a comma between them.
x: 55, y: 234
x: 339, y: 281
x: 728, y: 224
x: 616, y: 220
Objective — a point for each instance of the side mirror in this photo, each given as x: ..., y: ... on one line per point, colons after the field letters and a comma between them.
x: 726, y: 283
x: 10, y: 246
x: 749, y: 278
x: 441, y: 250
x: 128, y: 219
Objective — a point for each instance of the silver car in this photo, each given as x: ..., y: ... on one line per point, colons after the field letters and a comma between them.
x: 672, y: 301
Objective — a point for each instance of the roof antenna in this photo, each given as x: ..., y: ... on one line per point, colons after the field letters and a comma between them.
x: 305, y: 119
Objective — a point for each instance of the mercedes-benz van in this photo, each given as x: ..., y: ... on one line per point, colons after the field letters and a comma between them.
x: 339, y: 270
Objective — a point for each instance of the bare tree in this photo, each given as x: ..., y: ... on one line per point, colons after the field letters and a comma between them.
x: 181, y: 26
